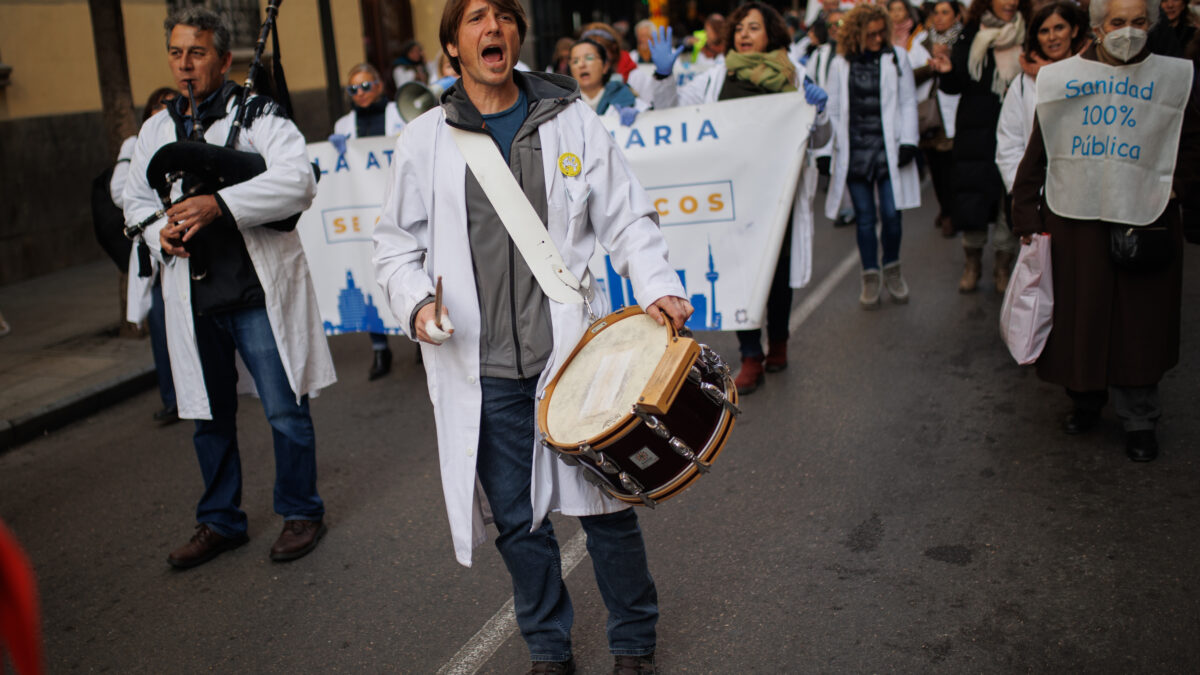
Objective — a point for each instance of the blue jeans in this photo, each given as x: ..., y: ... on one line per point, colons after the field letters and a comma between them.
x: 614, y: 541
x: 862, y: 194
x: 157, y: 322
x: 248, y: 332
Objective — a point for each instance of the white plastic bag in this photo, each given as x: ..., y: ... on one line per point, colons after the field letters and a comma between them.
x: 1028, y: 310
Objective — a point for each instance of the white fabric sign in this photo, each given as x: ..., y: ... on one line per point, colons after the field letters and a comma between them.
x: 1111, y: 136
x: 336, y: 234
x: 722, y: 176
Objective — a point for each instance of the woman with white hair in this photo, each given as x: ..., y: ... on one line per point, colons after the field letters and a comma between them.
x: 1116, y: 310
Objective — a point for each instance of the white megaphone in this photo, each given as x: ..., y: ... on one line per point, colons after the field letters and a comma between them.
x: 413, y: 99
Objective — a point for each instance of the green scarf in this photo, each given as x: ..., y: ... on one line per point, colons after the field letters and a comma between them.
x: 772, y: 71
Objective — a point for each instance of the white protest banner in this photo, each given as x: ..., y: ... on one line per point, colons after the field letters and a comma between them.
x: 722, y: 177
x: 1111, y: 135
x: 336, y: 234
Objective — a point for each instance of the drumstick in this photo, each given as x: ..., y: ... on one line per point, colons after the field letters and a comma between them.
x: 437, y: 304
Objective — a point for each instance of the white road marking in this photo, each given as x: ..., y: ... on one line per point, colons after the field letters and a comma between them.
x: 503, y: 623
x: 822, y: 291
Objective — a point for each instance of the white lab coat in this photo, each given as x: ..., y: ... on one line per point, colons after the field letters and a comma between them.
x: 1015, y: 127
x: 137, y: 289
x: 899, y: 115
x: 287, y: 186
x: 706, y: 88
x: 650, y: 91
x: 393, y: 124
x: 604, y: 204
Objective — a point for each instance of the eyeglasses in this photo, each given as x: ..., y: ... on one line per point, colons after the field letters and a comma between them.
x: 586, y: 58
x: 365, y: 86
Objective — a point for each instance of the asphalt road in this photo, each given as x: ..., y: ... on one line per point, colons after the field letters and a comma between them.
x: 899, y: 500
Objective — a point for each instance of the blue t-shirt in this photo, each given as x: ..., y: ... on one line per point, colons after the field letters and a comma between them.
x: 503, y: 126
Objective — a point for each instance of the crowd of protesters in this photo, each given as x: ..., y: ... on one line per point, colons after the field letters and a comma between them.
x: 944, y: 89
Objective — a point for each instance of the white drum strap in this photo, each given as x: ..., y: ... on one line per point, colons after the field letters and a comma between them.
x: 522, y: 222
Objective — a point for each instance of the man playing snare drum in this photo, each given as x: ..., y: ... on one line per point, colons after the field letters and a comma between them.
x: 499, y: 338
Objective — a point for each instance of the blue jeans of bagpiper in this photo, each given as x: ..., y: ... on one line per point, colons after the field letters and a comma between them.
x: 248, y: 332
x: 862, y: 194
x: 614, y: 541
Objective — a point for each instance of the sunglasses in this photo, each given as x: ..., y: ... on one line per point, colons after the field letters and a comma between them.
x: 365, y: 86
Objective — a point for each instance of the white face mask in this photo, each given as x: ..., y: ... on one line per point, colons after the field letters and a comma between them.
x: 1124, y: 43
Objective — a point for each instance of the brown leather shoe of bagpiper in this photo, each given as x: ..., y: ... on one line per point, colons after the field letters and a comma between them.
x: 553, y: 667
x: 776, y: 357
x: 634, y: 665
x: 298, y: 539
x: 204, y: 545
x: 750, y: 376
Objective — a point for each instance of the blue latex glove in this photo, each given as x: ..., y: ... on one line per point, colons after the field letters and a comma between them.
x: 661, y: 53
x: 339, y: 142
x: 815, y: 95
x: 628, y: 115
x: 804, y: 60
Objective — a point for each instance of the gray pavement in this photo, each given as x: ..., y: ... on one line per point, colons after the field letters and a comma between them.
x: 64, y: 357
x: 900, y: 499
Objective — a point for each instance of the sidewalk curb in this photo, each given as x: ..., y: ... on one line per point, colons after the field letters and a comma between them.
x: 74, y: 407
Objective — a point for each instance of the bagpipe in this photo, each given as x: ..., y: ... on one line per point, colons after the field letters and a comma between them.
x: 203, y: 168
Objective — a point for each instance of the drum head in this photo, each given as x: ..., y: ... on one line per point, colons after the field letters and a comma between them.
x: 599, y: 386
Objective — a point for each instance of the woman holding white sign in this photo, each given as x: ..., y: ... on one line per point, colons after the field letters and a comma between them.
x: 1115, y: 142
x: 372, y: 115
x: 873, y: 109
x: 757, y: 63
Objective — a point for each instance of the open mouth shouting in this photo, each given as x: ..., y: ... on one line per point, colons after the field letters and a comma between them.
x: 493, y: 56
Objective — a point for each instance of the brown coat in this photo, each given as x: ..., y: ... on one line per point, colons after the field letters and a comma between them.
x: 1111, y: 326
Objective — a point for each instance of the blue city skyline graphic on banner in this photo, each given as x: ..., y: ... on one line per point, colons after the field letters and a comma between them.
x: 357, y: 312
x: 705, y: 316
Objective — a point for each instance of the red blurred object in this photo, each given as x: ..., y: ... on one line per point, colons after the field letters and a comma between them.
x: 20, y: 627
x: 625, y: 65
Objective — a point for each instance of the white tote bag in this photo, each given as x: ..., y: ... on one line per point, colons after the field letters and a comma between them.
x: 1028, y: 310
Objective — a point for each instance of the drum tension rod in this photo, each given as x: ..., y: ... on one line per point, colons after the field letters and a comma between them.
x: 685, y: 452
x: 714, y: 393
x: 634, y: 487
x: 652, y: 423
x: 566, y: 458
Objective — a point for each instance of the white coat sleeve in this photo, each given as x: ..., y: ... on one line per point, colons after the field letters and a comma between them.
x: 907, y: 124
x: 116, y: 186
x: 401, y: 236
x: 285, y: 188
x: 1010, y: 135
x: 624, y: 220
x: 345, y: 125
x: 140, y: 200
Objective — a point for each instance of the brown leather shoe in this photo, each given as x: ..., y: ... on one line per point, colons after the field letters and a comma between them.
x: 750, y: 376
x: 298, y: 539
x: 553, y: 667
x: 776, y: 357
x: 205, y: 545
x: 634, y: 665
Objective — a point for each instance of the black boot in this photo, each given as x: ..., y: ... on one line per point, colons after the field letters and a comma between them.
x: 382, y: 364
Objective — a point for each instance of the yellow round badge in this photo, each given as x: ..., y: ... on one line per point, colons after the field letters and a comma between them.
x: 570, y: 164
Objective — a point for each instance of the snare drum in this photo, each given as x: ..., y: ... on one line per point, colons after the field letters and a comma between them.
x: 643, y: 409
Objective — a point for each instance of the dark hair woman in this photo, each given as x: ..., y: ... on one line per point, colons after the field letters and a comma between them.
x: 1057, y: 30
x: 945, y: 29
x: 873, y: 109
x: 1116, y: 321
x: 757, y: 63
x: 591, y: 68
x: 980, y: 68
